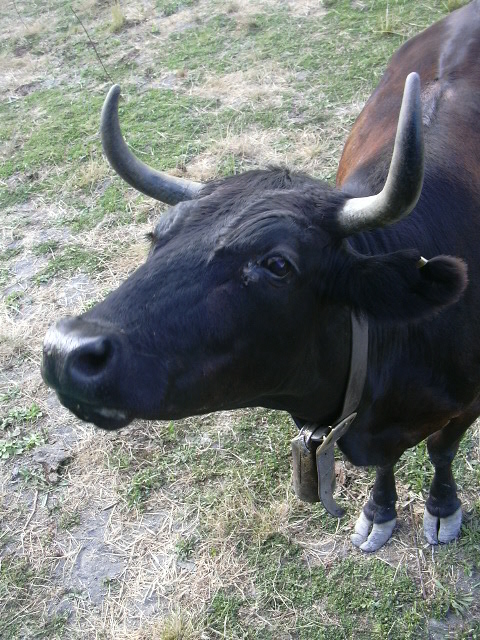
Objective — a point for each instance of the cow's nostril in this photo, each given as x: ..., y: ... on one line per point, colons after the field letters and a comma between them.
x: 91, y: 358
x: 81, y: 360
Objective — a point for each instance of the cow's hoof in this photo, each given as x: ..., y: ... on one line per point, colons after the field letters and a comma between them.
x: 442, y: 529
x: 369, y: 536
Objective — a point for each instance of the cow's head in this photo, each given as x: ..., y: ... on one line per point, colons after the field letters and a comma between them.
x: 246, y: 294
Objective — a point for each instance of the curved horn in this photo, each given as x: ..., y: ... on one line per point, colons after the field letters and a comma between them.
x: 153, y: 183
x: 405, y: 177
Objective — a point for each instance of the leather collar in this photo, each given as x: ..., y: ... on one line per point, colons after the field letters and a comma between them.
x: 356, y: 377
x: 312, y: 449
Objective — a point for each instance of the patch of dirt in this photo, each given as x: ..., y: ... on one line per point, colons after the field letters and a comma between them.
x: 448, y: 629
x: 306, y: 8
x: 20, y: 50
x: 359, y: 5
x: 96, y: 565
x: 26, y: 89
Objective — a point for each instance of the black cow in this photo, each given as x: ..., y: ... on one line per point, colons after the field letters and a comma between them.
x: 258, y: 290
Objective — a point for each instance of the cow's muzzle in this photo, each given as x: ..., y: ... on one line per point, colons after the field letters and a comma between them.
x: 81, y: 361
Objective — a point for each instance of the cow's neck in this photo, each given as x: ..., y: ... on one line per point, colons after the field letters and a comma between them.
x: 354, y: 386
x: 316, y: 384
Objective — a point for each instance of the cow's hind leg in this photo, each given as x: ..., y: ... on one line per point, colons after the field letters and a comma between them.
x: 442, y: 518
x: 377, y: 520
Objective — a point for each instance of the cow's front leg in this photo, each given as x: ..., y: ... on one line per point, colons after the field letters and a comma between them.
x: 377, y: 520
x: 442, y: 518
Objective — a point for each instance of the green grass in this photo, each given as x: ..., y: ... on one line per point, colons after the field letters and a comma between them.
x: 169, y: 7
x: 141, y: 486
x: 69, y: 519
x: 55, y: 128
x: 45, y: 248
x: 20, y: 583
x: 211, y: 47
x: 456, y: 4
x: 360, y: 596
x: 15, y: 446
x: 15, y: 579
x: 13, y: 301
x: 185, y: 547
x: 10, y: 394
x: 71, y: 260
x: 374, y: 600
x: 266, y: 470
x: 118, y: 18
x: 8, y: 254
x: 20, y: 415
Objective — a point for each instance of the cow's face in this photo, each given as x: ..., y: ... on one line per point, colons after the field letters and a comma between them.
x: 225, y: 312
x: 243, y: 300
x: 246, y: 294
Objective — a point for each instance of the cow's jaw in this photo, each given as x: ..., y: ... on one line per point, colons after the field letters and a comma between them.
x: 103, y: 417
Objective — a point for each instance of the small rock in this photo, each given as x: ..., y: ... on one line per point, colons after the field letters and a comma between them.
x: 188, y: 565
x: 15, y: 474
x: 53, y: 478
x: 63, y: 608
x: 52, y: 457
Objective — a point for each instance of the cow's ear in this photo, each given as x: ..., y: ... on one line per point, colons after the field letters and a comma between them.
x: 399, y: 287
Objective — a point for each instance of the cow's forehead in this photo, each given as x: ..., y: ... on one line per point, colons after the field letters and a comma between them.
x: 260, y: 230
x: 247, y: 217
x: 255, y: 228
x: 225, y: 207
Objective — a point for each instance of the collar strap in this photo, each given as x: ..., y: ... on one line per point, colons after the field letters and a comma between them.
x: 355, y: 384
x: 358, y: 366
x: 314, y: 445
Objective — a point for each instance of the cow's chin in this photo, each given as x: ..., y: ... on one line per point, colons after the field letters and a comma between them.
x: 103, y: 417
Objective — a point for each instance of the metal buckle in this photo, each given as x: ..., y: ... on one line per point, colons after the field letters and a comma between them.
x: 336, y: 433
x: 312, y: 433
x: 324, y: 437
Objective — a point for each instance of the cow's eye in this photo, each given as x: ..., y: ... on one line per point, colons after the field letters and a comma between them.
x: 278, y: 266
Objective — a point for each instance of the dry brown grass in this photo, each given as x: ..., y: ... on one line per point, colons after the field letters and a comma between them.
x: 18, y: 75
x: 118, y: 18
x: 263, y: 83
x: 88, y: 174
x: 250, y: 147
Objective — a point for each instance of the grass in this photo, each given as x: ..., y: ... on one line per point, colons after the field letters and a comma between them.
x: 18, y: 583
x: 14, y: 447
x: 21, y: 415
x: 46, y: 248
x: 118, y: 18
x: 169, y: 7
x: 141, y: 486
x: 13, y: 301
x: 69, y: 519
x: 456, y: 4
x: 201, y: 510
x: 71, y: 260
x: 361, y: 597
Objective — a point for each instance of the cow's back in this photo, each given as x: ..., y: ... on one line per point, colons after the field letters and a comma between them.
x: 447, y: 58
x: 446, y: 219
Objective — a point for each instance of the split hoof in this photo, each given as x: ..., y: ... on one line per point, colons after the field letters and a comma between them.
x: 369, y: 536
x: 442, y: 530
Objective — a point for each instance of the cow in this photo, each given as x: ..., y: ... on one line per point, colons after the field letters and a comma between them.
x: 353, y: 308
